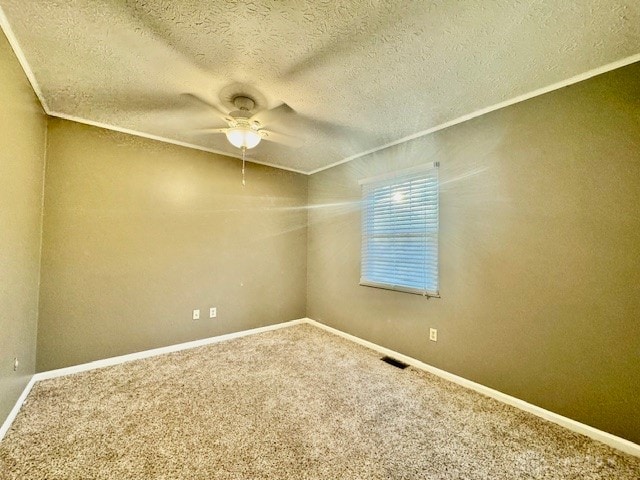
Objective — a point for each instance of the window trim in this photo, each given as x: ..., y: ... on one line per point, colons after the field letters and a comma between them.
x: 391, y: 178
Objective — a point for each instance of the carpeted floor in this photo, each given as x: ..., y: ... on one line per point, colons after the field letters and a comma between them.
x: 296, y: 403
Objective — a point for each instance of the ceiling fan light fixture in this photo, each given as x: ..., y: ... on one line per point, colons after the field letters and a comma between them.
x: 243, y: 137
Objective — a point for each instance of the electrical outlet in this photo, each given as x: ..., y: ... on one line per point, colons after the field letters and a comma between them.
x: 196, y: 314
x: 213, y: 312
x: 433, y: 334
x: 16, y: 363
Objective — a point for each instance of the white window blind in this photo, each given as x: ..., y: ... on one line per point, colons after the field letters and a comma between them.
x: 400, y: 231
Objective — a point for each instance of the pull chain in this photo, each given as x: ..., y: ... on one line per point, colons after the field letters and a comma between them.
x: 244, y: 150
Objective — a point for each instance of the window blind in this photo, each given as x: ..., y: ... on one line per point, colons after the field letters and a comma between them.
x: 400, y: 231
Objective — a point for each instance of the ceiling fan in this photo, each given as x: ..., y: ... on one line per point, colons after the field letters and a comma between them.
x: 240, y: 111
x: 244, y: 131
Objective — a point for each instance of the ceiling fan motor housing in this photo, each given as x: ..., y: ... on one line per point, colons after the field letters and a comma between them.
x: 243, y: 102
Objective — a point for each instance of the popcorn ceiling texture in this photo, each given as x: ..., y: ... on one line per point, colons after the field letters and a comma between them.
x: 297, y: 403
x: 383, y: 69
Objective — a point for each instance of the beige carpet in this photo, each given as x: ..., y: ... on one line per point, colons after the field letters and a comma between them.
x: 297, y: 403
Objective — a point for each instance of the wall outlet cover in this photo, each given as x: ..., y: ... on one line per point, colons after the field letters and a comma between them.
x: 196, y: 314
x: 433, y: 334
x: 213, y: 312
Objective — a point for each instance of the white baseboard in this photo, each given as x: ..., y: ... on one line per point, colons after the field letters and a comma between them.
x: 16, y: 408
x: 107, y: 362
x: 132, y: 356
x: 599, y: 435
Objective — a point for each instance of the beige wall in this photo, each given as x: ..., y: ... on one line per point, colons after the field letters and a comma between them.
x: 22, y: 141
x: 137, y: 233
x: 540, y: 253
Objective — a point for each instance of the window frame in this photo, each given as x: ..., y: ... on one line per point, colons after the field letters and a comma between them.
x: 398, y: 177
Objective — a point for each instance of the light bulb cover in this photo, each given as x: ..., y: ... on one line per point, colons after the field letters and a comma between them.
x: 241, y: 136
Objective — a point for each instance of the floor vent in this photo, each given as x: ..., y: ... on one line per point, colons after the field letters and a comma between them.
x: 394, y: 362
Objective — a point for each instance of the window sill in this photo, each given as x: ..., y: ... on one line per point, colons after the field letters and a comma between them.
x: 398, y: 288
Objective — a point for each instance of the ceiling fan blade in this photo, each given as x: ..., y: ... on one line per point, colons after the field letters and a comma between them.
x: 204, y: 101
x: 165, y: 114
x: 281, y: 138
x: 139, y: 37
x: 294, y: 123
x: 205, y: 131
x: 282, y: 115
x: 118, y: 102
x: 360, y: 33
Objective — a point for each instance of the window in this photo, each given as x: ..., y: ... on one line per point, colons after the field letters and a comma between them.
x: 400, y: 231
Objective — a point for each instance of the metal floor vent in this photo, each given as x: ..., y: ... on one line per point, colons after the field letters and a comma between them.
x: 394, y: 362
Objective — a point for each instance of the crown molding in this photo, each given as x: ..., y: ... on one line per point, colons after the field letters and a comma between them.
x: 520, y: 98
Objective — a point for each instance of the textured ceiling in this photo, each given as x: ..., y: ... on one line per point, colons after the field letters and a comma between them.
x: 344, y: 76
